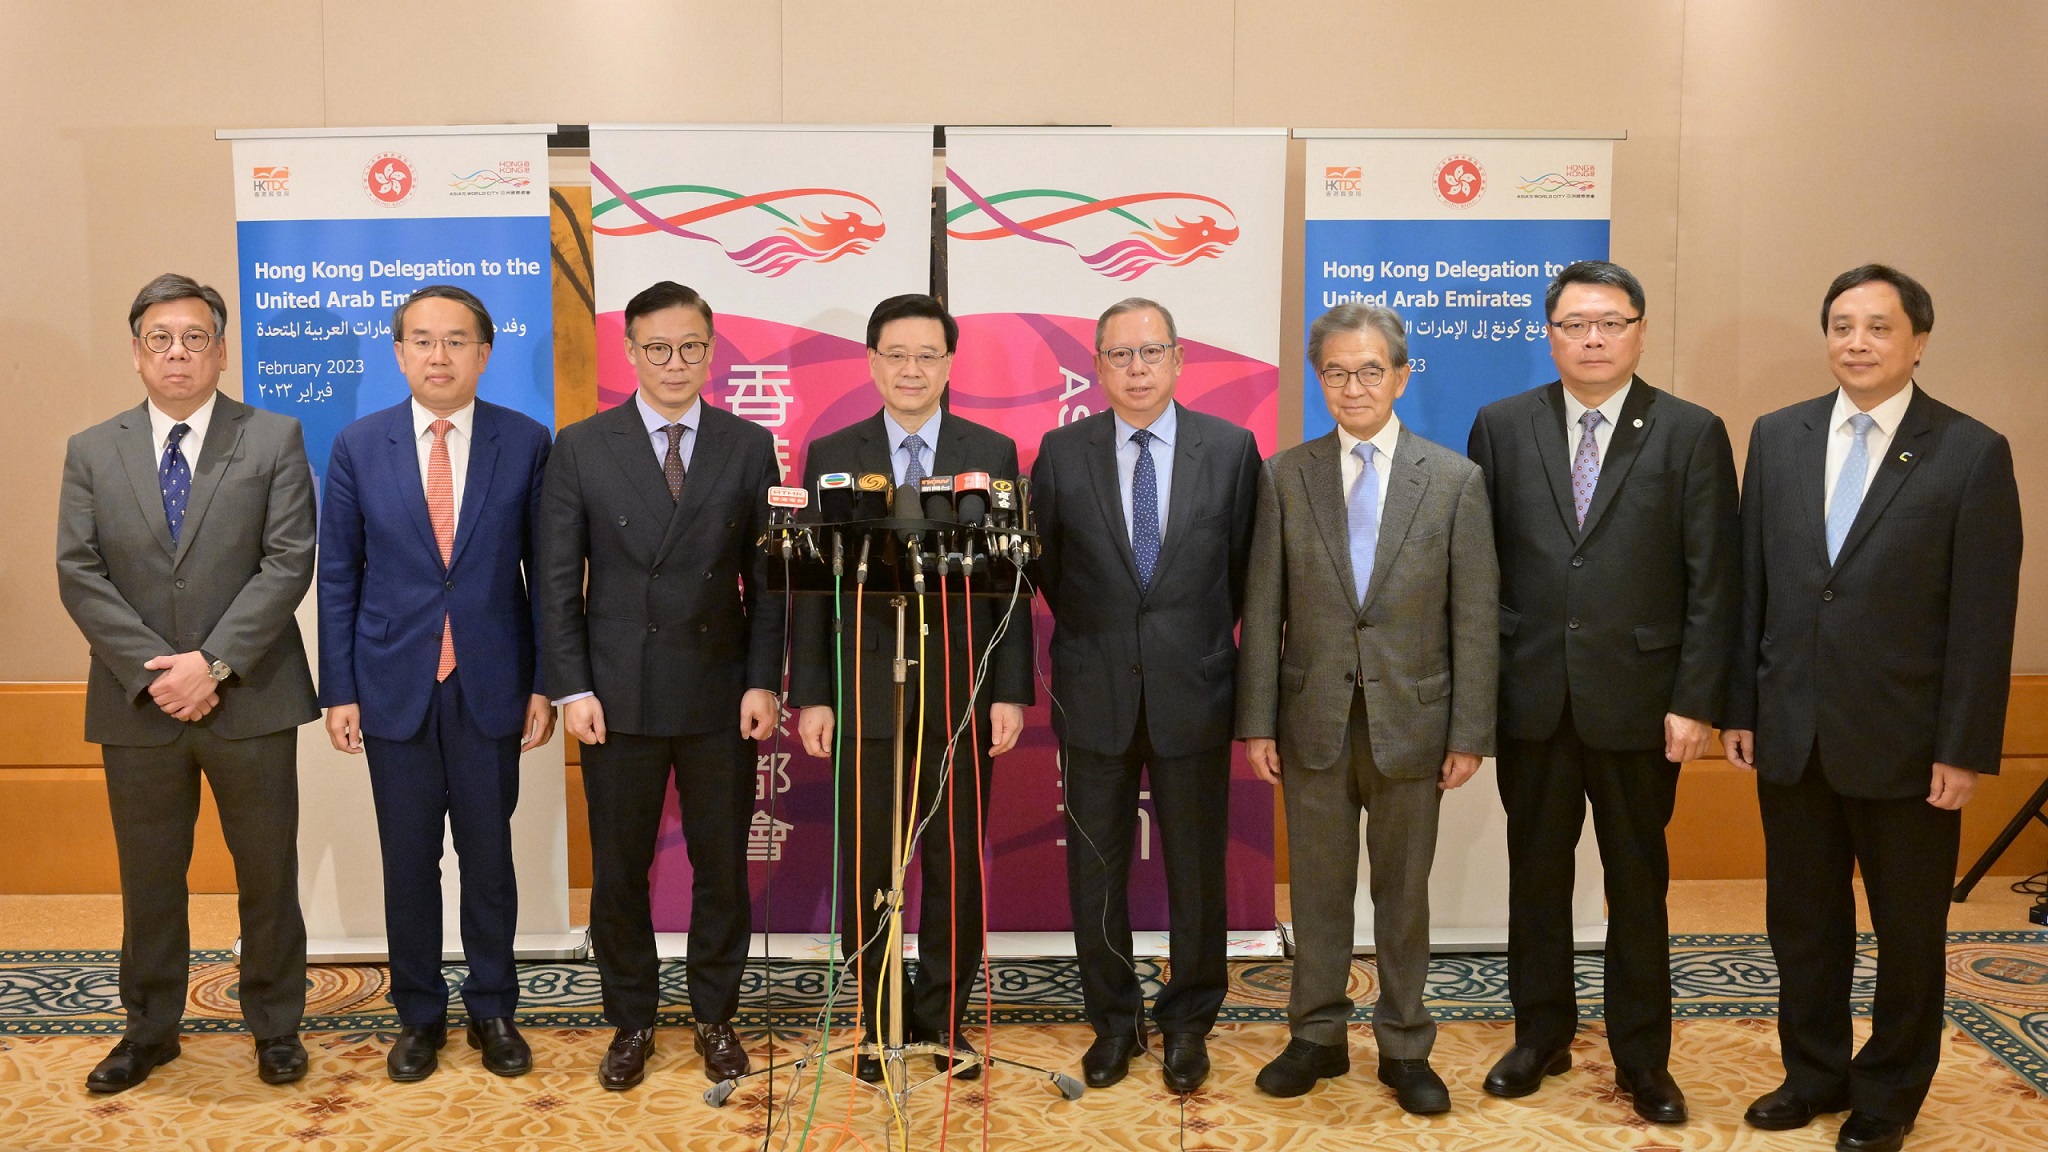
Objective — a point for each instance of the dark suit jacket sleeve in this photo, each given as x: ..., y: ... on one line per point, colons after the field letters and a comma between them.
x: 766, y: 611
x: 1244, y: 506
x: 1713, y: 566
x: 811, y: 684
x: 1479, y: 449
x: 562, y: 545
x: 1009, y: 677
x: 112, y: 628
x: 266, y: 605
x: 1261, y: 632
x: 536, y: 482
x: 1475, y: 621
x: 341, y: 576
x: 1739, y: 710
x: 1045, y: 515
x: 1984, y: 585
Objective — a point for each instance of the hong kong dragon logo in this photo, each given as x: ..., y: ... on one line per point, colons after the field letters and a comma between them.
x: 1122, y: 236
x: 767, y: 233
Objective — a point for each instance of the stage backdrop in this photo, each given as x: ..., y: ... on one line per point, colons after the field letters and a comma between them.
x: 334, y: 228
x: 792, y: 234
x: 1046, y: 227
x: 1460, y: 234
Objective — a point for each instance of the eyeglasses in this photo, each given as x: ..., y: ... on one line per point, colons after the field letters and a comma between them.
x: 456, y: 345
x: 1336, y: 379
x: 1120, y: 357
x: 194, y: 339
x: 923, y: 359
x: 693, y: 351
x: 1608, y: 325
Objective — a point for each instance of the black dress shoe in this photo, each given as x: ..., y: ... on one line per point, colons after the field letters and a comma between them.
x: 725, y: 1058
x: 1522, y: 1070
x: 1656, y: 1095
x: 412, y: 1056
x: 1417, y: 1086
x: 1782, y: 1110
x: 969, y: 1069
x: 868, y: 1068
x: 625, y: 1061
x: 1297, y: 1069
x: 505, y: 1051
x: 129, y: 1064
x: 1108, y: 1059
x: 1186, y: 1059
x: 1863, y: 1132
x: 281, y: 1059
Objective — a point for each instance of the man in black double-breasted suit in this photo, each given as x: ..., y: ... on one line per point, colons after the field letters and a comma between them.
x: 1614, y: 512
x: 667, y: 664
x: 1145, y: 513
x: 1881, y: 557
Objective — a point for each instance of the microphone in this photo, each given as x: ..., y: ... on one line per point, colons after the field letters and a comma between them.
x: 1023, y: 518
x: 938, y: 498
x: 783, y: 504
x: 871, y: 496
x: 1002, y: 516
x: 910, y: 506
x: 835, y: 506
x: 970, y: 502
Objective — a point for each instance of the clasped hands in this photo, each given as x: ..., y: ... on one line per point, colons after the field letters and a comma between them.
x: 184, y: 689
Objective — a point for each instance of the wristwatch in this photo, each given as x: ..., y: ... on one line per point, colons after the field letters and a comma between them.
x: 218, y: 669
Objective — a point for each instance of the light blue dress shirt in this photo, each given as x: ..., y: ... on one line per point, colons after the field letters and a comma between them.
x: 655, y: 422
x: 899, y: 458
x: 1165, y: 431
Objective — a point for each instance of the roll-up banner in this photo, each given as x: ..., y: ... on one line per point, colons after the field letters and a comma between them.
x: 335, y: 227
x: 1045, y: 228
x: 792, y: 234
x: 1459, y: 233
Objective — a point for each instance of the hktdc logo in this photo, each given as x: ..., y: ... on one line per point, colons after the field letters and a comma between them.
x: 388, y: 179
x: 1343, y: 180
x: 270, y: 181
x: 1459, y: 181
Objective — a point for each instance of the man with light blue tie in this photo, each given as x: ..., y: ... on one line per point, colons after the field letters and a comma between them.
x: 1367, y: 679
x: 1144, y: 515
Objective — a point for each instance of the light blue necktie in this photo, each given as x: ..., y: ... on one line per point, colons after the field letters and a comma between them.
x: 1362, y: 519
x: 914, y: 444
x: 1144, y: 508
x: 1849, y: 485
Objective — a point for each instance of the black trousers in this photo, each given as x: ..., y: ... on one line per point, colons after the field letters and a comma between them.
x: 448, y: 775
x: 1191, y: 802
x: 1814, y: 837
x: 1545, y: 786
x: 625, y: 780
x: 154, y: 794
x: 951, y: 867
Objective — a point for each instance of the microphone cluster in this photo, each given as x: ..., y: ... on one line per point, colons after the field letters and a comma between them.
x: 952, y: 523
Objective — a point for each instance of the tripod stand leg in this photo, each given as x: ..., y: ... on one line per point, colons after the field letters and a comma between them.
x: 2031, y: 810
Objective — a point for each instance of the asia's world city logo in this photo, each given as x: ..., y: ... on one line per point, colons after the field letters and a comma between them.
x: 1460, y: 181
x: 388, y: 178
x: 1122, y: 236
x: 767, y: 233
x: 266, y: 181
x: 1572, y: 182
x: 505, y: 178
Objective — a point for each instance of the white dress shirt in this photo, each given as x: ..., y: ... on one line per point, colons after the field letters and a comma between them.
x: 899, y: 458
x: 1878, y: 442
x: 1383, y: 442
x: 1603, y: 435
x: 1163, y: 429
x: 198, y: 422
x: 464, y: 421
x: 656, y: 422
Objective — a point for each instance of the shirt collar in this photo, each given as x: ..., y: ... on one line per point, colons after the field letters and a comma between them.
x: 160, y: 426
x: 1383, y: 442
x: 1886, y: 415
x: 655, y: 421
x: 1610, y: 408
x: 464, y: 419
x: 1162, y: 428
x: 897, y: 433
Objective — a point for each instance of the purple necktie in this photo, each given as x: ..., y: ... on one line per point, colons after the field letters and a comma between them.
x: 1586, y: 465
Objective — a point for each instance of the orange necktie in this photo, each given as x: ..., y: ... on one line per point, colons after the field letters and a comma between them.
x: 441, y: 510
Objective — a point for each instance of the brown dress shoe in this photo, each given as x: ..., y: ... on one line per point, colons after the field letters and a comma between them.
x: 725, y: 1058
x: 625, y: 1062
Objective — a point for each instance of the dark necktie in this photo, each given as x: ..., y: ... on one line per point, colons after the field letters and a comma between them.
x: 1144, y: 508
x: 672, y: 463
x: 174, y: 476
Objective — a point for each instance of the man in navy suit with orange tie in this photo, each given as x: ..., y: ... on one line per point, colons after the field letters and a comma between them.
x: 427, y: 661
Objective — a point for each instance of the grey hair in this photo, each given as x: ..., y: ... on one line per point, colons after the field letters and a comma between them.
x: 1359, y: 318
x: 1135, y: 304
x: 171, y: 286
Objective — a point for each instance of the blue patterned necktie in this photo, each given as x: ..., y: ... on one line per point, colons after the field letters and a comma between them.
x: 1586, y: 465
x: 914, y: 444
x: 174, y: 476
x: 1849, y: 484
x: 1362, y: 519
x: 1144, y: 508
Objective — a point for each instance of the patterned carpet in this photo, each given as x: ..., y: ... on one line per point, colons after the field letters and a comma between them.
x: 57, y: 1010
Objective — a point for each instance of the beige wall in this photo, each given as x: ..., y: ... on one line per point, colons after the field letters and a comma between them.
x: 1771, y: 144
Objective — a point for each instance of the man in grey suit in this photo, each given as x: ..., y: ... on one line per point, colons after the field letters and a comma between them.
x: 184, y: 545
x: 1367, y: 675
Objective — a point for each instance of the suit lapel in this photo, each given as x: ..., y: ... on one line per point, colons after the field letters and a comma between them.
x: 708, y: 459
x: 633, y: 449
x: 223, y: 437
x: 1810, y: 474
x: 1554, y: 448
x: 1907, y: 447
x: 1630, y: 431
x: 1406, y: 485
x: 138, y: 452
x: 476, y: 483
x: 1187, y: 487
x: 873, y: 452
x: 1324, y: 479
x: 1108, y: 489
x: 403, y: 464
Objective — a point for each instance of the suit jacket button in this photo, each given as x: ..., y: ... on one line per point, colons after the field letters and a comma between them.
x: 732, y: 523
x: 1574, y: 623
x: 655, y: 574
x: 707, y: 573
x: 1364, y: 624
x: 181, y: 583
x: 622, y: 521
x: 1578, y: 561
x: 1137, y: 669
x: 1827, y: 594
x: 654, y: 627
x: 703, y: 627
x: 450, y: 585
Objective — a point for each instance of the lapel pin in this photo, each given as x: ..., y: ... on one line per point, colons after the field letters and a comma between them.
x: 1639, y: 421
x: 1905, y: 457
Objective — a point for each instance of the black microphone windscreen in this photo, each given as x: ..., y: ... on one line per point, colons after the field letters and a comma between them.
x: 872, y: 493
x: 835, y: 497
x: 909, y: 503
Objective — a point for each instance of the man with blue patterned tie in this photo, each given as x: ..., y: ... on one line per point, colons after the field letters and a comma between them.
x: 1881, y: 556
x: 1367, y: 681
x: 1144, y: 513
x: 184, y: 546
x: 1614, y: 506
